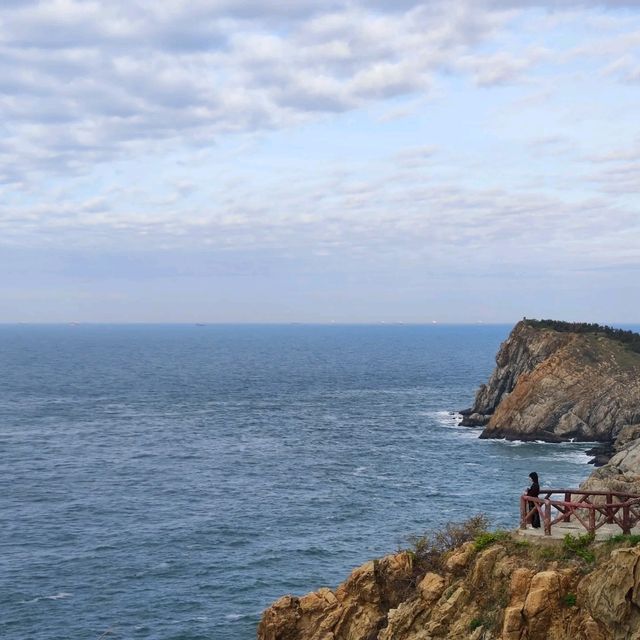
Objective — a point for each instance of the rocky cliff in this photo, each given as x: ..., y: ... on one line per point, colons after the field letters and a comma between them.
x: 559, y: 385
x: 551, y: 385
x: 509, y: 590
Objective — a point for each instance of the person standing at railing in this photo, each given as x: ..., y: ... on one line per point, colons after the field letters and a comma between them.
x: 533, y: 492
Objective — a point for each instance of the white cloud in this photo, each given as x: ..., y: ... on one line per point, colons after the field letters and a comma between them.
x: 88, y: 83
x: 83, y: 81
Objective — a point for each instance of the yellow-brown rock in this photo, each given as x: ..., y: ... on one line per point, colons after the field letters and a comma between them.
x: 503, y: 594
x: 459, y: 558
x: 542, y: 599
x: 431, y: 587
x: 611, y: 594
x: 357, y: 609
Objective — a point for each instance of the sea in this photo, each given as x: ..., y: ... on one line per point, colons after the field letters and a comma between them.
x: 171, y: 481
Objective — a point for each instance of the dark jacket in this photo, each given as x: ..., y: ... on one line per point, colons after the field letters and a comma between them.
x: 534, y: 490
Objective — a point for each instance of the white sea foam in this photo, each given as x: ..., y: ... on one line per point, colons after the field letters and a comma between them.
x: 447, y: 418
x: 61, y: 595
x: 451, y: 420
x: 573, y: 456
x: 235, y: 616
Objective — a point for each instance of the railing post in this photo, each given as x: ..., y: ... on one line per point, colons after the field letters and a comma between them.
x: 609, y: 508
x: 567, y: 511
x: 547, y: 517
x: 523, y: 512
x: 592, y: 521
x: 626, y: 522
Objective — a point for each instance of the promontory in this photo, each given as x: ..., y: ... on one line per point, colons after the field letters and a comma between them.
x: 559, y: 381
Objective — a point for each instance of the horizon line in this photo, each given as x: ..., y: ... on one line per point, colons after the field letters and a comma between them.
x: 426, y: 323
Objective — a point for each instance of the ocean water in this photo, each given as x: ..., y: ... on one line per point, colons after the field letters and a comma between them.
x: 170, y: 482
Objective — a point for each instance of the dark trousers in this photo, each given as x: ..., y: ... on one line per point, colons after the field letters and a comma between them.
x: 535, y: 521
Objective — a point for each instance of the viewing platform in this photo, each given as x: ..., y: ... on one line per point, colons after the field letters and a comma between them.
x: 603, y: 514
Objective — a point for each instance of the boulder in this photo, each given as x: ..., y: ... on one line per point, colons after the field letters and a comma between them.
x: 611, y: 594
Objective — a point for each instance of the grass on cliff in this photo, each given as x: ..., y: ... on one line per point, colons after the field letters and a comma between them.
x: 579, y: 546
x: 430, y: 551
x: 624, y: 540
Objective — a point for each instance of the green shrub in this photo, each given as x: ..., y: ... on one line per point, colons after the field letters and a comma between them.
x: 570, y: 599
x: 621, y: 538
x: 579, y: 546
x: 485, y: 540
x: 475, y: 623
x: 547, y: 553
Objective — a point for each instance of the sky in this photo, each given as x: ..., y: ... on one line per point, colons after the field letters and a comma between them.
x: 302, y: 161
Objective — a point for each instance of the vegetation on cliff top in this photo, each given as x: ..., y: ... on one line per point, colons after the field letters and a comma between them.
x: 430, y: 551
x: 629, y: 339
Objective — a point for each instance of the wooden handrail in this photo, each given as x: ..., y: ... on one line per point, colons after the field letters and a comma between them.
x: 584, y: 505
x: 591, y: 493
x: 529, y: 505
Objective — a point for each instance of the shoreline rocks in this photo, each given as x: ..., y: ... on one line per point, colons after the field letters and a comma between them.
x: 502, y: 592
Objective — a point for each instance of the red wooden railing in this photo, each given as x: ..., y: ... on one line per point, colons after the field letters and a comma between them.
x: 587, y: 507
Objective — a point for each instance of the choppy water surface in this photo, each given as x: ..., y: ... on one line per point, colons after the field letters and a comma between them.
x: 172, y: 481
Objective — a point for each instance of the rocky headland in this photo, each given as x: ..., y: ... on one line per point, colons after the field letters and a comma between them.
x: 508, y: 590
x: 558, y: 381
x: 549, y: 384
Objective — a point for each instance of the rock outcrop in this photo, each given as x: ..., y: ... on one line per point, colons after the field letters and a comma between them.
x: 557, y: 386
x: 356, y: 609
x: 498, y: 593
x: 622, y: 472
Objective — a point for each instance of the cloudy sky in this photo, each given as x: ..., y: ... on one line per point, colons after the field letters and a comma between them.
x: 296, y: 160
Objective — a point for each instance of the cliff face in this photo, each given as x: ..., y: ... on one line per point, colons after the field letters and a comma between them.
x: 555, y: 386
x: 504, y: 592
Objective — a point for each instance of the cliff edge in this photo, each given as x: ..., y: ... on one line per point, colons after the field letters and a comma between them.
x: 555, y: 384
x: 508, y: 590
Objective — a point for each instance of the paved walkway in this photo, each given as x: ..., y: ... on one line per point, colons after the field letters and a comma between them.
x: 560, y: 530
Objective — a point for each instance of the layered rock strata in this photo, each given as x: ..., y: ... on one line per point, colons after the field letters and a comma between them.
x: 558, y: 386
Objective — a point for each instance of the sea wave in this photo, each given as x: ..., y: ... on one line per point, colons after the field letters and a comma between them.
x: 61, y: 595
